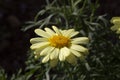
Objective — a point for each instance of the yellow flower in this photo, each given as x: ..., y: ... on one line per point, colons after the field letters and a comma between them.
x: 58, y: 45
x: 116, y: 26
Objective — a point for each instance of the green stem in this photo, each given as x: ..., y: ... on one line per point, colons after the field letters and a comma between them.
x: 47, y: 74
x: 83, y: 6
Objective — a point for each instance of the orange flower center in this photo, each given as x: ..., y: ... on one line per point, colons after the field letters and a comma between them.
x: 59, y: 41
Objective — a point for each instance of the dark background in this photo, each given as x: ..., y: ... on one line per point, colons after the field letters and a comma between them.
x: 14, y: 43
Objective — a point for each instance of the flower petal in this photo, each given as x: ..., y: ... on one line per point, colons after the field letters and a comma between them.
x: 39, y: 45
x: 79, y: 48
x: 37, y: 52
x: 49, y: 31
x: 80, y: 40
x: 45, y: 59
x: 56, y: 30
x: 115, y: 27
x: 46, y: 51
x: 74, y: 34
x: 36, y: 40
x: 42, y: 33
x: 67, y: 33
x: 64, y: 52
x: 115, y: 20
x: 72, y: 59
x: 76, y: 53
x: 54, y: 54
x: 61, y: 57
x: 53, y: 62
x: 118, y: 31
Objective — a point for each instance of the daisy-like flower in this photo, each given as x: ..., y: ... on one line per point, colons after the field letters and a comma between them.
x: 58, y: 45
x: 116, y: 26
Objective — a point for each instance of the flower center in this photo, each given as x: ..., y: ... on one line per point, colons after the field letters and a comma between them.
x: 59, y: 41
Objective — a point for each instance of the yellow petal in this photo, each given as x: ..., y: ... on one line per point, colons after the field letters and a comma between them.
x: 61, y: 56
x: 49, y: 31
x: 56, y: 30
x: 64, y: 52
x: 74, y: 34
x: 36, y: 40
x: 53, y: 62
x: 42, y: 33
x: 39, y: 45
x: 37, y: 52
x: 76, y: 53
x: 72, y: 59
x: 115, y: 20
x: 54, y: 54
x: 118, y: 31
x: 115, y: 27
x: 45, y: 59
x: 46, y: 51
x: 67, y: 33
x: 80, y: 40
x: 79, y: 48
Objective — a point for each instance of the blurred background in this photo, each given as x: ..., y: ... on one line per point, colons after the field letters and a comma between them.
x: 14, y: 43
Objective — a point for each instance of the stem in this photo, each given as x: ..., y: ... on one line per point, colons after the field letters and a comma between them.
x: 83, y: 5
x: 47, y: 74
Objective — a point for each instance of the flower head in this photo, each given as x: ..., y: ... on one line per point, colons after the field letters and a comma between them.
x: 58, y: 45
x: 116, y: 26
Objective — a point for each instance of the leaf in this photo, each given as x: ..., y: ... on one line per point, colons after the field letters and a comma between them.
x: 76, y: 3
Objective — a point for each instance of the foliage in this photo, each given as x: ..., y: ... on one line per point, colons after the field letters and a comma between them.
x: 102, y: 63
x: 66, y: 14
x: 3, y: 75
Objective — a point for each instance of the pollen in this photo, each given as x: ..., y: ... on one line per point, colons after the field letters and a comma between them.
x: 59, y: 41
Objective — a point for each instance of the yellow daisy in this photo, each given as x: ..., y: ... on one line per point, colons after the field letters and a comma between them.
x: 58, y: 45
x: 116, y: 26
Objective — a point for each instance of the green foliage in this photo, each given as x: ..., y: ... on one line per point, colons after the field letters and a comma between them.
x: 103, y: 61
x: 3, y: 75
x: 66, y: 14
